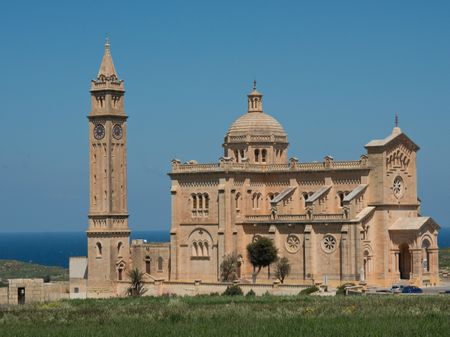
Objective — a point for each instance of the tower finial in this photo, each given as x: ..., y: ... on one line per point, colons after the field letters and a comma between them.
x: 254, y: 84
x: 396, y: 119
x: 107, y: 41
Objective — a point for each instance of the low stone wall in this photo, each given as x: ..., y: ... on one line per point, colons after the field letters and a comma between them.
x: 56, y: 291
x: 160, y: 288
x: 3, y: 296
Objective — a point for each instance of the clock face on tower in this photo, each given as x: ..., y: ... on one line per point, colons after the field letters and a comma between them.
x: 99, y: 131
x: 117, y: 131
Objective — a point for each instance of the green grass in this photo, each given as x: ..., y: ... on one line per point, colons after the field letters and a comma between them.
x: 444, y: 258
x: 233, y: 316
x: 19, y: 269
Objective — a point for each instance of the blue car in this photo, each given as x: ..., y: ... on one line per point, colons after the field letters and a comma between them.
x: 411, y: 290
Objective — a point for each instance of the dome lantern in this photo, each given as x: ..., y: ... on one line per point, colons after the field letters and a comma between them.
x: 254, y: 100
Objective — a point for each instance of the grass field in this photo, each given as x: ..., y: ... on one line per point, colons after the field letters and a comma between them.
x: 233, y: 316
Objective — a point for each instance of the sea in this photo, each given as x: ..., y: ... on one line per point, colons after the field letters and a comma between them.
x: 54, y: 249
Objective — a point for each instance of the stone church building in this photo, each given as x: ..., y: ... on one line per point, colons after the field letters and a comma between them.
x: 336, y: 221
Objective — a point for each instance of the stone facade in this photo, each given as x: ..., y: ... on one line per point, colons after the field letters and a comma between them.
x: 25, y: 291
x: 336, y: 221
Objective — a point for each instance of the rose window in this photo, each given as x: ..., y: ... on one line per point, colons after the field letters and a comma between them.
x: 292, y: 243
x: 256, y: 238
x: 397, y: 187
x: 329, y: 243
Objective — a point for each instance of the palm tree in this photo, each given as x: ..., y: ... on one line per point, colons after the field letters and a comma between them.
x: 136, y: 288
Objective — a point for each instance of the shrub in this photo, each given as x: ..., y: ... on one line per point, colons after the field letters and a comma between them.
x: 229, y: 268
x: 251, y: 293
x: 233, y: 290
x: 282, y: 269
x: 309, y: 290
x: 341, y: 289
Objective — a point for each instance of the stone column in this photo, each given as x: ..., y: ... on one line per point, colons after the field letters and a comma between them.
x: 416, y: 263
x: 222, y: 225
x: 344, y: 252
x: 307, y: 245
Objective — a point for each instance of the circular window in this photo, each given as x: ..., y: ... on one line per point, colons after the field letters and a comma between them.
x: 256, y: 238
x: 292, y: 243
x: 397, y: 187
x: 329, y: 243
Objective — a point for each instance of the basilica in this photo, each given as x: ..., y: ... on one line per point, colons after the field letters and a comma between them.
x: 336, y: 221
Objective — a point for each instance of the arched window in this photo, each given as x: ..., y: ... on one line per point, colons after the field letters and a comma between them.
x: 341, y: 198
x: 98, y: 248
x: 263, y: 155
x: 242, y: 154
x: 119, y: 249
x: 305, y: 197
x: 200, y: 249
x: 120, y: 270
x: 426, y: 255
x: 236, y: 155
x: 206, y: 201
x: 160, y: 263
x: 255, y: 200
x: 200, y: 201
x: 238, y: 201
x: 194, y: 249
x: 205, y: 249
x: 147, y: 264
x: 194, y: 201
x: 256, y: 155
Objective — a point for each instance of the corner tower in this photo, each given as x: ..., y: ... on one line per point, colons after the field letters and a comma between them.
x: 108, y: 233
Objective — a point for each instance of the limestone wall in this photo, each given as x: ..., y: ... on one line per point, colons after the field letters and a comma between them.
x: 56, y: 291
x: 3, y: 296
x: 34, y: 290
x: 159, y: 288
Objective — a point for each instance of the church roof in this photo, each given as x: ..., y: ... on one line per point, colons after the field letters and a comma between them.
x: 316, y: 195
x: 355, y: 192
x: 260, y: 124
x: 396, y: 132
x: 412, y: 223
x: 282, y: 195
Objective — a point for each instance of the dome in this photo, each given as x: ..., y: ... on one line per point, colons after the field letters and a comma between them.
x: 256, y: 124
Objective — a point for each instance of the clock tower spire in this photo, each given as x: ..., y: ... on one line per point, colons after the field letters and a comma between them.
x: 108, y: 233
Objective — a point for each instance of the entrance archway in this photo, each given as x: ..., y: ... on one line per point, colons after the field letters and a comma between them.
x: 404, y: 262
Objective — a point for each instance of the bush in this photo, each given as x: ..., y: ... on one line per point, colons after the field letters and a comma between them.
x: 229, y: 268
x: 309, y: 290
x: 341, y: 289
x: 251, y: 293
x: 282, y: 269
x: 233, y: 290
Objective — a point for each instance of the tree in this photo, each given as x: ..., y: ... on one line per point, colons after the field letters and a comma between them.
x: 282, y: 268
x: 136, y: 288
x: 261, y: 253
x: 229, y: 268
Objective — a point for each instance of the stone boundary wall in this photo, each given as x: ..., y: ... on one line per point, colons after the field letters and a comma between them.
x: 3, y: 296
x: 161, y: 288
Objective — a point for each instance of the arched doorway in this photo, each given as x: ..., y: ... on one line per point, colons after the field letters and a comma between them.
x: 404, y: 262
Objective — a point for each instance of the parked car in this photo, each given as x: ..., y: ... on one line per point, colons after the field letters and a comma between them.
x: 397, y: 288
x: 411, y: 290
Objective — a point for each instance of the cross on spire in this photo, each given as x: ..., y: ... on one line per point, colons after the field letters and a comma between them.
x: 396, y: 119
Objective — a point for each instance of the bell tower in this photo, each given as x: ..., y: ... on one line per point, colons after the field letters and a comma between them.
x: 108, y: 233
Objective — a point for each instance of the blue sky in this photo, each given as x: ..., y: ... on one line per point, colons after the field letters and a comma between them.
x: 333, y: 73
